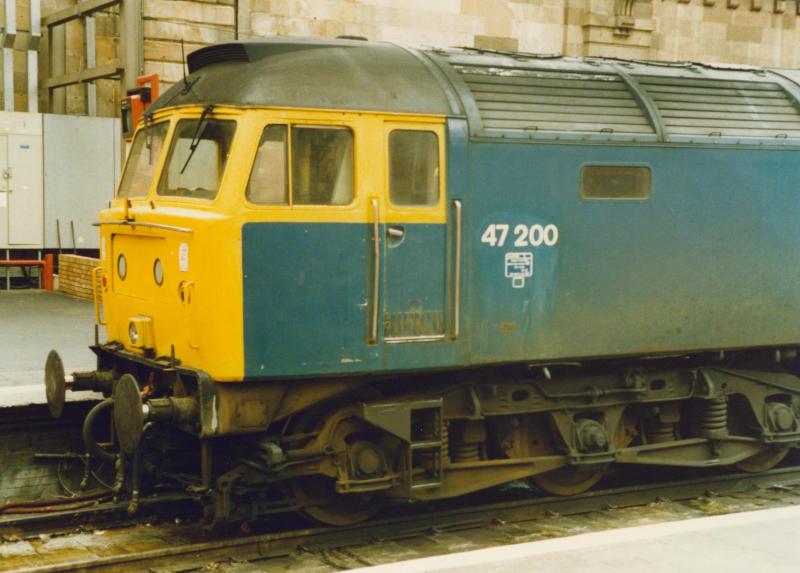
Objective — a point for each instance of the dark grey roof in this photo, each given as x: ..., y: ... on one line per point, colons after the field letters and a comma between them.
x: 528, y: 96
x: 504, y: 95
x: 301, y: 72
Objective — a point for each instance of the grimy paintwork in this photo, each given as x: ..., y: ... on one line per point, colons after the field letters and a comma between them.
x: 515, y: 329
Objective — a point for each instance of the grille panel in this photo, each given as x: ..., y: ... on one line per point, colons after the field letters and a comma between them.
x: 723, y: 108
x: 532, y: 100
x: 215, y: 55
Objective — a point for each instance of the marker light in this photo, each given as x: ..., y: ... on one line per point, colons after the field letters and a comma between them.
x: 158, y: 272
x: 133, y: 333
x: 122, y: 267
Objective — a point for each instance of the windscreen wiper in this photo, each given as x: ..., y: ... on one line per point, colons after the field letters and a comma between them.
x: 196, y: 137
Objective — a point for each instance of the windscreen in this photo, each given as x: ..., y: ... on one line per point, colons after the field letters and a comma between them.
x: 197, y: 157
x: 143, y: 160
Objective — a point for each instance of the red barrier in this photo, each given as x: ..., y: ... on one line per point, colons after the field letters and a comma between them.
x: 47, y: 273
x: 46, y: 265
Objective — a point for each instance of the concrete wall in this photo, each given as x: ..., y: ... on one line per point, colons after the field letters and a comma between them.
x: 758, y: 32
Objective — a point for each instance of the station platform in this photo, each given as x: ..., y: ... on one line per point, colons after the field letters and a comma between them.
x: 764, y: 540
x: 33, y: 322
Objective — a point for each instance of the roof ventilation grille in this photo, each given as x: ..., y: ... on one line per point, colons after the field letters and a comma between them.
x: 217, y: 54
x: 510, y: 98
x: 697, y: 107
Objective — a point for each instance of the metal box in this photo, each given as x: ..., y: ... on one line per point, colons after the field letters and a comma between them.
x: 82, y: 163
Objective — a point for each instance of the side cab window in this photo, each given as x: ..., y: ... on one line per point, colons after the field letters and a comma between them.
x: 303, y: 165
x: 413, y: 168
x: 415, y: 177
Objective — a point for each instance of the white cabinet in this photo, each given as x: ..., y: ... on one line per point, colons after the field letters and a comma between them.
x: 55, y: 171
x: 21, y: 181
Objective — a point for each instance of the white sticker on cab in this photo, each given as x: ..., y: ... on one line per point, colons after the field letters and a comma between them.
x: 183, y: 258
x: 519, y: 266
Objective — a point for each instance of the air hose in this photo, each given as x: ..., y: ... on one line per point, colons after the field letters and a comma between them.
x: 89, y: 442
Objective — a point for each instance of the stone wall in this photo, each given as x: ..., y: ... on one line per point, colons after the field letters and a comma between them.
x: 757, y: 32
x: 197, y: 22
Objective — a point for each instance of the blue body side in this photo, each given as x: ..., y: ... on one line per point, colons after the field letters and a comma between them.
x: 307, y: 296
x: 710, y: 261
x: 305, y: 289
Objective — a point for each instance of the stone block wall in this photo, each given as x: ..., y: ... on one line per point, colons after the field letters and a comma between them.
x: 756, y: 32
x: 197, y: 22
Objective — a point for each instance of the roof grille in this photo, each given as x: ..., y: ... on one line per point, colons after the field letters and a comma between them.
x: 215, y: 55
x: 723, y: 108
x: 510, y: 98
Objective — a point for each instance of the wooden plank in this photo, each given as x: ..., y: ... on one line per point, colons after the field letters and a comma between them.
x: 75, y: 275
x: 100, y: 72
x: 83, y: 8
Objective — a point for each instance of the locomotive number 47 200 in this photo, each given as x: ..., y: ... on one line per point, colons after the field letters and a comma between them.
x: 536, y: 235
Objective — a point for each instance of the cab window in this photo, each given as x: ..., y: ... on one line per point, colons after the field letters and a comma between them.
x: 269, y: 180
x: 142, y: 161
x: 198, y: 153
x: 413, y: 168
x: 321, y: 161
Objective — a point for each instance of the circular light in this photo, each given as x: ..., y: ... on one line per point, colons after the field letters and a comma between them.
x: 122, y: 267
x: 133, y: 333
x: 158, y: 272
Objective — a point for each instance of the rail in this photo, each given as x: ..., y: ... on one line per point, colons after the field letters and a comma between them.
x: 190, y: 552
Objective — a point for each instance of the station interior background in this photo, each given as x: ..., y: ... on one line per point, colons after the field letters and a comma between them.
x: 79, y: 57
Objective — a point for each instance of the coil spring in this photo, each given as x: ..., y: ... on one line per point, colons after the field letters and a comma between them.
x: 659, y: 432
x: 427, y: 432
x: 715, y: 415
x: 466, y: 453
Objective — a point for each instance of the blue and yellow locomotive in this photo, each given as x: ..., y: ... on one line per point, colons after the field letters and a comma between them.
x: 348, y: 271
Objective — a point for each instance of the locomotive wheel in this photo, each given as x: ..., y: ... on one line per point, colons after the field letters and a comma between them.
x: 330, y: 507
x: 763, y: 461
x: 327, y: 505
x: 570, y: 480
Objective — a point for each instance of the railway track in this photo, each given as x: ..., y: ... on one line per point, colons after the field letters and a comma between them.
x: 169, y: 547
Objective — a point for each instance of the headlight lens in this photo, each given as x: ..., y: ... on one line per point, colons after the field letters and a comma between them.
x: 133, y: 333
x: 158, y: 272
x: 122, y: 267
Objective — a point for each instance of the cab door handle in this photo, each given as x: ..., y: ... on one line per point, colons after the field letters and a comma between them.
x: 395, y: 231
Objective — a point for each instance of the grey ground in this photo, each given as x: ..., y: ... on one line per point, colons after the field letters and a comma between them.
x: 32, y: 322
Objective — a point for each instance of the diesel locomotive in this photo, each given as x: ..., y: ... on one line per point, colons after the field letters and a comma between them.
x: 338, y: 272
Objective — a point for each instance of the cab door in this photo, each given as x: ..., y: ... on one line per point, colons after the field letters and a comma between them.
x: 415, y: 241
